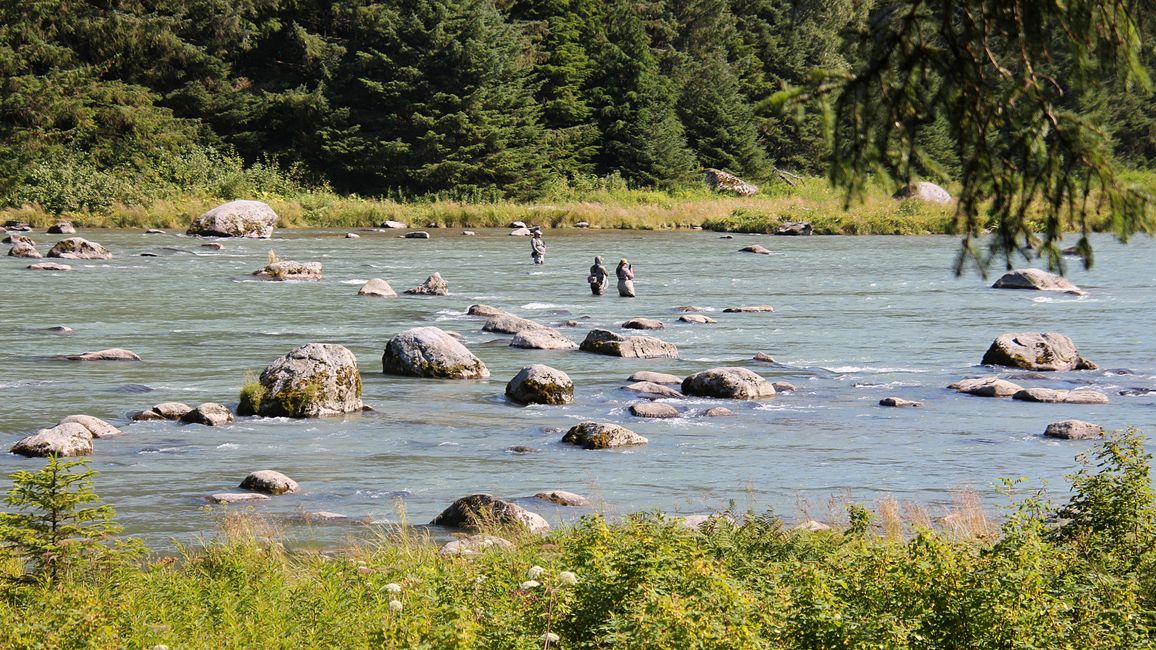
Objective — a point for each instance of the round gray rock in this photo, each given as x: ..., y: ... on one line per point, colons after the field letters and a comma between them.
x: 25, y: 250
x: 1036, y: 351
x: 653, y: 410
x: 540, y: 384
x: 252, y: 219
x: 1037, y: 280
x: 728, y: 383
x: 210, y: 414
x: 430, y: 352
x: 600, y: 435
x: 164, y: 411
x: 697, y: 319
x: 312, y: 380
x: 652, y: 390
x: 78, y: 248
x: 643, y: 324
x: 67, y: 439
x: 268, y: 481
x: 613, y: 344
x: 899, y: 402
x: 987, y: 387
x: 1074, y: 430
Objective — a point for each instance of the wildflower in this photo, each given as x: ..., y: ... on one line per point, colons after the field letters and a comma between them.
x: 393, y: 588
x: 395, y: 606
x: 535, y: 572
x: 530, y: 584
x: 549, y: 637
x: 479, y: 580
x: 567, y: 578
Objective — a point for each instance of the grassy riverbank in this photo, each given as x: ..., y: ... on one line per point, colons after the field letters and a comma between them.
x: 1078, y: 575
x: 601, y: 205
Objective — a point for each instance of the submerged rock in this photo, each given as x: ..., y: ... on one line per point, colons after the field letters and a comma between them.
x: 235, y: 497
x: 756, y: 249
x: 250, y: 219
x: 430, y: 352
x: 600, y: 435
x: 49, y: 266
x: 540, y: 384
x: 434, y: 285
x: 616, y: 345
x: 749, y: 309
x: 111, y: 354
x: 313, y: 380
x: 269, y: 481
x: 657, y: 410
x: 697, y: 319
x: 377, y: 288
x: 78, y: 248
x: 485, y: 311
x: 728, y: 383
x: 1038, y: 280
x: 717, y: 412
x: 899, y: 402
x: 479, y: 511
x: 163, y: 411
x: 1036, y: 351
x: 643, y: 324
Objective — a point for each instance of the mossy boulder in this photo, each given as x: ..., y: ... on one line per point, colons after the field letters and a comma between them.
x: 483, y: 511
x: 540, y: 384
x: 601, y: 341
x: 312, y: 380
x: 64, y: 439
x: 78, y: 248
x: 431, y: 352
x: 1036, y: 351
x: 601, y: 435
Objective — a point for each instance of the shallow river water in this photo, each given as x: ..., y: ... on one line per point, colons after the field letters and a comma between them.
x: 856, y: 319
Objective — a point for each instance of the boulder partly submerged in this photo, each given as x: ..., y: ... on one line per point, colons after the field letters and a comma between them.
x: 96, y: 426
x: 313, y: 380
x: 288, y: 270
x: 986, y: 387
x: 110, y: 354
x: 479, y: 511
x: 79, y: 248
x: 377, y: 288
x: 268, y: 481
x: 728, y: 383
x: 1036, y: 351
x: 542, y: 338
x: 431, y: 352
x: 1073, y: 430
x: 1061, y: 396
x: 1037, y: 280
x: 250, y: 219
x: 601, y: 435
x: 655, y: 410
x: 434, y: 285
x: 656, y: 377
x: 540, y: 384
x: 600, y: 341
x: 170, y: 411
x: 210, y: 414
x: 65, y: 439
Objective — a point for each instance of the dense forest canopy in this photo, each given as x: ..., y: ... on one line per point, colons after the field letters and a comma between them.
x: 105, y: 100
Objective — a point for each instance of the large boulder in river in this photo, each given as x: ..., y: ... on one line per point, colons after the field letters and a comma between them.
x: 312, y: 380
x: 720, y: 181
x: 288, y: 270
x: 509, y: 324
x: 923, y: 191
x: 65, y: 439
x: 1038, y: 280
x: 377, y: 288
x: 728, y: 383
x: 601, y: 435
x: 1036, y: 351
x: 479, y: 511
x: 1060, y: 396
x: 79, y: 248
x: 542, y: 338
x: 635, y: 347
x: 540, y: 384
x: 431, y: 352
x: 252, y: 219
x: 434, y: 285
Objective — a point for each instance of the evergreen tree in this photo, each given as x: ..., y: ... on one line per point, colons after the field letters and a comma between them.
x: 643, y: 138
x: 434, y: 95
x: 720, y: 125
x: 55, y: 525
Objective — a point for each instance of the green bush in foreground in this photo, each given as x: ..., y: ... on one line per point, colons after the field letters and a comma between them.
x: 1074, y: 576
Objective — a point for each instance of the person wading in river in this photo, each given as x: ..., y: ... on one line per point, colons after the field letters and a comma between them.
x: 625, y: 279
x: 537, y: 247
x: 599, y: 277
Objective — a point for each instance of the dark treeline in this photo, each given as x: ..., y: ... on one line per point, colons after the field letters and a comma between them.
x: 475, y: 97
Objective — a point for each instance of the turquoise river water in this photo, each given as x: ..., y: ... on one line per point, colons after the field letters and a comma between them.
x: 856, y: 319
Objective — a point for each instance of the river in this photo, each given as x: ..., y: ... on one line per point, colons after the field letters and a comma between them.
x: 856, y: 319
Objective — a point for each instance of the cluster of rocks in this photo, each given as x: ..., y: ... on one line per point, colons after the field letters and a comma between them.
x: 288, y: 270
x: 72, y: 436
x: 72, y: 248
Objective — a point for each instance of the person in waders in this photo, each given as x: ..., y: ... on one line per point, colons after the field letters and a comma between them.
x: 537, y: 247
x: 625, y: 279
x: 599, y: 277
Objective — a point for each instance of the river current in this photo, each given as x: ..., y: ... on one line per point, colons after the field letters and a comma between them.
x: 856, y: 319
